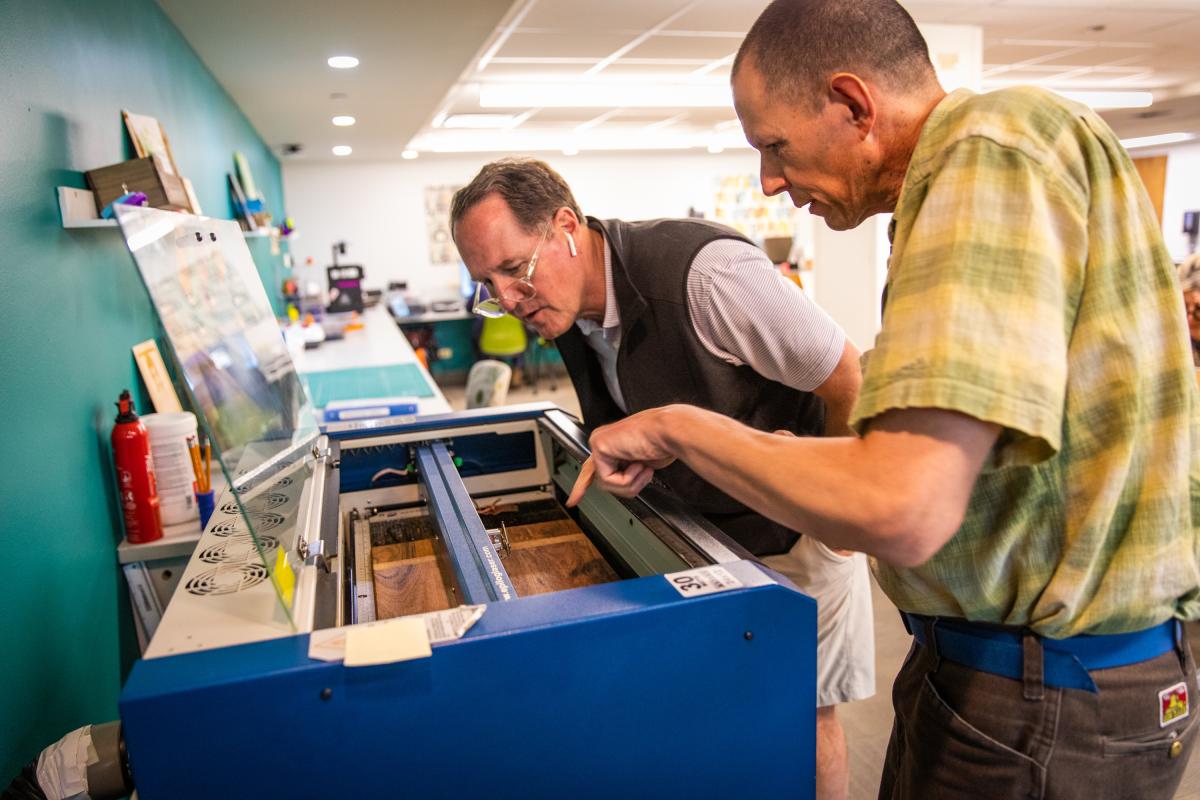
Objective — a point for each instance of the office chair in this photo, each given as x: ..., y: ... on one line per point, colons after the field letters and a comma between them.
x: 504, y: 339
x: 487, y: 383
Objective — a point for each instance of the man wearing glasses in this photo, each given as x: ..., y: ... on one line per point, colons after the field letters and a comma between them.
x: 667, y: 311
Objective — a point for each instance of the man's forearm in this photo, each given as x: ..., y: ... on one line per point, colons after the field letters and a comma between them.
x: 898, y: 495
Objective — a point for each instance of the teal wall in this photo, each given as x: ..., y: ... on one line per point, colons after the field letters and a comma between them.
x: 71, y: 306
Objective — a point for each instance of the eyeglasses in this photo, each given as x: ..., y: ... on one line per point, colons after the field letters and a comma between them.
x: 517, y: 291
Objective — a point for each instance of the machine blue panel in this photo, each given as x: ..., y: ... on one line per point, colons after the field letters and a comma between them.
x: 619, y: 690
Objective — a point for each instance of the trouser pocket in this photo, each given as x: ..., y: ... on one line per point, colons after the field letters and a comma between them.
x: 964, y: 733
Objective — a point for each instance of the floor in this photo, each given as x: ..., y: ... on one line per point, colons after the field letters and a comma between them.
x: 868, y: 722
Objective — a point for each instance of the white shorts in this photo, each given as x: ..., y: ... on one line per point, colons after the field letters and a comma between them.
x: 841, y: 586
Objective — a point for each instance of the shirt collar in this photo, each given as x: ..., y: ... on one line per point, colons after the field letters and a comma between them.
x: 612, y: 314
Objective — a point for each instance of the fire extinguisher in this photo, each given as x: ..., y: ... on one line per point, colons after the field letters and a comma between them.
x: 135, y: 475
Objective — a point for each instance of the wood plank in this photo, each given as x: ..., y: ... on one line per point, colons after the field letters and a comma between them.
x: 414, y: 586
x: 384, y: 554
x: 563, y: 562
x: 542, y: 530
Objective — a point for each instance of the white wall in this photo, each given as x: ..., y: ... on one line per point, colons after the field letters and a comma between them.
x: 850, y: 272
x: 378, y: 209
x: 1182, y: 193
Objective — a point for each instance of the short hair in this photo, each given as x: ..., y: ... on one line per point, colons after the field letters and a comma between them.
x: 531, y: 188
x: 797, y: 44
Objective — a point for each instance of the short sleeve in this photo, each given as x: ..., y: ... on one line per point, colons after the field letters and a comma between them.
x: 745, y: 312
x: 986, y: 267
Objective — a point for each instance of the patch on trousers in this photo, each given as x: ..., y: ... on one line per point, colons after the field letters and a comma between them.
x: 1172, y: 704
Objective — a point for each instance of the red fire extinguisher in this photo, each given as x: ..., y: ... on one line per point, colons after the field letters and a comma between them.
x: 135, y: 475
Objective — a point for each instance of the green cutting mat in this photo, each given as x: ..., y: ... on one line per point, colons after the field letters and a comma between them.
x: 402, y: 380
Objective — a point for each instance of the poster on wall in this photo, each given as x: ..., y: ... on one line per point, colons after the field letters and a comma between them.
x: 740, y: 204
x: 437, y: 224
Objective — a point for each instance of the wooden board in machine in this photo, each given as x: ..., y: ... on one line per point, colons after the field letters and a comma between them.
x: 547, y: 552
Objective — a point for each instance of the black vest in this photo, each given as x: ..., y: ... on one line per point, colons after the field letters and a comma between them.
x: 662, y: 361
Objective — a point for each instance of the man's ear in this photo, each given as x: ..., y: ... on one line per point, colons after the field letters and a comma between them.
x: 565, y: 218
x: 850, y: 92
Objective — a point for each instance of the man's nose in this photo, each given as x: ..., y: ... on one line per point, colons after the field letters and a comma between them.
x: 770, y: 177
x: 502, y: 286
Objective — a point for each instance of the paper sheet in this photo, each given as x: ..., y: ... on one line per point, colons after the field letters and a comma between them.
x: 399, y: 639
x: 439, y: 626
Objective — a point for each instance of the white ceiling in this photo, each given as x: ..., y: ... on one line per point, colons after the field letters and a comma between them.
x: 425, y: 62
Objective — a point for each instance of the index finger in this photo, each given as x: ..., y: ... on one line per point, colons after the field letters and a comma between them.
x: 587, y: 474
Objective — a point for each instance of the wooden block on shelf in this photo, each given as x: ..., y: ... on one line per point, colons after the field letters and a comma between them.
x: 162, y: 189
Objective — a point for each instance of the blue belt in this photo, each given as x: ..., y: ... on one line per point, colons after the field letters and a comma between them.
x: 1065, y: 662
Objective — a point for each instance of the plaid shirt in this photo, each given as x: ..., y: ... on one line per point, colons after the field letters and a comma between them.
x: 1029, y: 287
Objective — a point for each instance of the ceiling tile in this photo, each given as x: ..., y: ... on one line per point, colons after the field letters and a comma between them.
x: 709, y: 48
x: 575, y: 43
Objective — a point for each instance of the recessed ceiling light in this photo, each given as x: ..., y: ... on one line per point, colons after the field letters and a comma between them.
x: 343, y: 62
x: 342, y: 150
x: 716, y: 148
x: 409, y: 154
x: 343, y: 121
x: 570, y: 151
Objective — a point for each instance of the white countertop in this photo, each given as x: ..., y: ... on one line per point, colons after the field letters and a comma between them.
x: 379, y: 344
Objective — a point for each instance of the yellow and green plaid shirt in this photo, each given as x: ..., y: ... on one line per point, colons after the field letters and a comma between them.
x: 1029, y: 286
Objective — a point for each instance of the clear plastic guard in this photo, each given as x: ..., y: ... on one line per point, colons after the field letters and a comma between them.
x: 230, y: 354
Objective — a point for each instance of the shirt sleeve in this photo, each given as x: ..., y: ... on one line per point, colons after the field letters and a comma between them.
x: 745, y: 312
x: 982, y: 286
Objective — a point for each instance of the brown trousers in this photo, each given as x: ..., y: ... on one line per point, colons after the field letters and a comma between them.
x: 962, y: 733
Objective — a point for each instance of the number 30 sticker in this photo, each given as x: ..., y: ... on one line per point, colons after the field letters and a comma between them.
x: 706, y: 580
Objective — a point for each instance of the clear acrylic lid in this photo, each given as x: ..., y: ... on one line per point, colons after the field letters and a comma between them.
x: 230, y: 354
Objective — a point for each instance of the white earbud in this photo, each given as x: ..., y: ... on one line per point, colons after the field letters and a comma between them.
x: 571, y: 244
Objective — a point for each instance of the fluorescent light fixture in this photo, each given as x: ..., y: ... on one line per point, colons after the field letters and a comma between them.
x: 533, y: 140
x: 479, y: 121
x: 343, y: 62
x: 606, y: 94
x: 409, y: 155
x: 342, y: 149
x: 343, y: 121
x: 439, y: 119
x: 1152, y: 141
x: 1102, y: 100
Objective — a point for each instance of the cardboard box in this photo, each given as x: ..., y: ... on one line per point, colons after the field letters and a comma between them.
x: 139, y: 175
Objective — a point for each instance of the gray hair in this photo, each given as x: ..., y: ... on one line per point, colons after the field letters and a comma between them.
x: 797, y: 44
x: 531, y: 188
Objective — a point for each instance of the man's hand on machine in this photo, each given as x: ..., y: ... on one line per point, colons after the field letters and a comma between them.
x: 624, y: 455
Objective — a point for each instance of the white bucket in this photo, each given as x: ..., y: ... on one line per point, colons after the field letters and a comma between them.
x: 173, y: 465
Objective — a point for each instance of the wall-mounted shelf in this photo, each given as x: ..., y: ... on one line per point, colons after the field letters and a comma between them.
x: 90, y: 223
x: 78, y: 210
